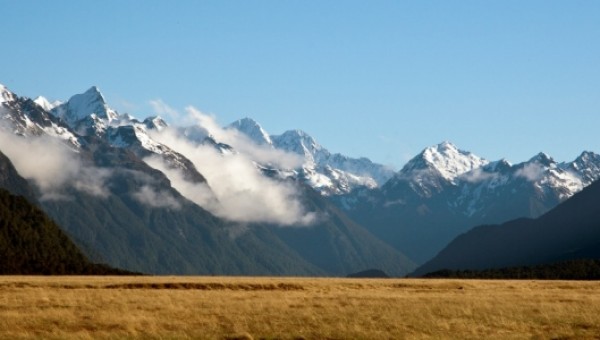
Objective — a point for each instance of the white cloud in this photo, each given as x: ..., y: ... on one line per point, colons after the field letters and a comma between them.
x: 264, y: 154
x: 52, y: 165
x: 478, y: 175
x: 238, y: 190
x: 162, y: 109
x: 531, y: 172
x: 156, y: 198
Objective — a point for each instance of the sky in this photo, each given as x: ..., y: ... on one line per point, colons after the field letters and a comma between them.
x: 381, y: 79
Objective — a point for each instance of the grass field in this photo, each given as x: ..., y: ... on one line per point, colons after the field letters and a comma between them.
x: 295, y: 308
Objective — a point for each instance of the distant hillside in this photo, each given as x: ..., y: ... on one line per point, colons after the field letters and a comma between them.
x: 569, y: 231
x: 584, y: 269
x: 31, y: 243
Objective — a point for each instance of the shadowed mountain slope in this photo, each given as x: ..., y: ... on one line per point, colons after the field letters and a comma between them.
x: 569, y: 231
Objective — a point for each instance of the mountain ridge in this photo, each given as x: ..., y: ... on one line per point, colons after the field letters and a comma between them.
x: 135, y: 219
x: 440, y: 193
x: 569, y: 231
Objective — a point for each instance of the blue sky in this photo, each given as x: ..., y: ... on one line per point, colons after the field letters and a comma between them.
x: 382, y: 79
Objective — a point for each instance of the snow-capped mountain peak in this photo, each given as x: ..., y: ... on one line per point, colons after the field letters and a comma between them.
x: 45, y: 104
x: 252, y: 129
x: 444, y: 158
x: 81, y: 106
x: 155, y: 123
x: 6, y: 95
x: 299, y: 142
x: 328, y: 173
x: 587, y: 165
x: 543, y: 159
x: 586, y: 159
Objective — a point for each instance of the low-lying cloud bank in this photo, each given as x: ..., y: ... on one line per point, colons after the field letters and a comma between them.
x: 237, y: 190
x: 52, y: 165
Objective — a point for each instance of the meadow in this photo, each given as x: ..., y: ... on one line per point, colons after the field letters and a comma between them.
x: 295, y: 308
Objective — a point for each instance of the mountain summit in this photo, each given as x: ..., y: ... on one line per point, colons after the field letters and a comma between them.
x: 328, y: 173
x: 444, y: 159
x: 435, y: 168
x: 6, y: 95
x: 252, y: 129
x: 90, y: 104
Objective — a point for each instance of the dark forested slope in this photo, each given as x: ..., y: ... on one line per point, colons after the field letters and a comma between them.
x: 31, y: 243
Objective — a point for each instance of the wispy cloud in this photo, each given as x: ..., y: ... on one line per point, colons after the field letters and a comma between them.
x: 162, y: 109
x: 263, y: 154
x: 52, y: 165
x: 531, y: 172
x: 156, y: 198
x: 478, y: 175
x: 236, y: 189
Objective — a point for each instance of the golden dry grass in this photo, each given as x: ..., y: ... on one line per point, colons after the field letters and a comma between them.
x: 294, y: 308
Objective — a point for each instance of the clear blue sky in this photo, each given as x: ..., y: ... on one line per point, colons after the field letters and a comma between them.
x: 381, y: 79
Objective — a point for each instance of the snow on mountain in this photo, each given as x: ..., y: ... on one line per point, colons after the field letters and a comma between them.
x: 329, y: 174
x: 540, y: 176
x: 90, y: 107
x: 587, y: 166
x: 300, y: 142
x: 444, y: 159
x: 434, y: 168
x: 88, y: 114
x: 548, y: 177
x: 46, y: 104
x: 252, y: 129
x: 27, y: 118
x: 6, y: 95
x: 431, y: 172
x: 472, y: 186
x: 155, y: 123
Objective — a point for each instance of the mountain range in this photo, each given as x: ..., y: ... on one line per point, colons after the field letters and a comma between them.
x: 204, y: 199
x: 91, y: 173
x: 438, y: 194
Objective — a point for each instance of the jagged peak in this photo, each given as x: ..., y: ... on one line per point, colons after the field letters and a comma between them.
x: 83, y: 105
x: 445, y: 145
x: 586, y: 160
x: 252, y: 129
x: 6, y: 95
x: 542, y: 158
x: 92, y: 94
x: 446, y: 159
x: 298, y: 135
x: 245, y: 121
x: 155, y: 123
x: 297, y: 141
x: 587, y: 156
x: 94, y: 88
x: 501, y: 165
x: 45, y: 104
